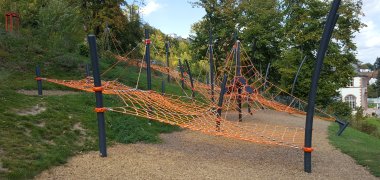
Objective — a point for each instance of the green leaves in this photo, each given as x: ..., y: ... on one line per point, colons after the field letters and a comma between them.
x: 282, y: 33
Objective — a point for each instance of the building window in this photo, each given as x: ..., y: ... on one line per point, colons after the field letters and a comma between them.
x: 351, y: 100
x: 350, y: 83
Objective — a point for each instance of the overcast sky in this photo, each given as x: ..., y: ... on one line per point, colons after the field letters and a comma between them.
x: 177, y: 16
x: 368, y: 39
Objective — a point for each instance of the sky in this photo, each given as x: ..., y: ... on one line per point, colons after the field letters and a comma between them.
x: 177, y: 16
x: 172, y: 16
x: 368, y: 39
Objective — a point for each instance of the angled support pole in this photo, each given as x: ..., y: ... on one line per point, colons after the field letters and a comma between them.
x: 342, y: 126
x: 191, y: 79
x: 98, y: 89
x: 327, y: 33
x: 39, y: 80
x: 147, y: 60
x: 220, y: 102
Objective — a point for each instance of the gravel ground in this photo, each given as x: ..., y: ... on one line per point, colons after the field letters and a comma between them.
x: 191, y: 155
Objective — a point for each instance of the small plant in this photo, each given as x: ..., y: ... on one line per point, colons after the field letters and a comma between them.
x: 83, y: 49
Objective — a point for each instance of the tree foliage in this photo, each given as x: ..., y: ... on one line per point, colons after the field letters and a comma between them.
x: 283, y: 32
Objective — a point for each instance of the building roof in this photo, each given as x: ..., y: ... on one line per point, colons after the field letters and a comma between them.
x: 370, y: 75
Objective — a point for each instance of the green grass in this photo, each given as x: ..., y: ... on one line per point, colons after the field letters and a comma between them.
x: 30, y: 144
x: 364, y: 148
x: 27, y: 148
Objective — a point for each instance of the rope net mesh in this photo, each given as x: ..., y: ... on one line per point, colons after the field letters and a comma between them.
x: 250, y: 88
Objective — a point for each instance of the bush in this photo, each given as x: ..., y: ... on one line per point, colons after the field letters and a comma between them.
x: 66, y: 62
x: 84, y: 49
x: 340, y: 109
x: 368, y: 128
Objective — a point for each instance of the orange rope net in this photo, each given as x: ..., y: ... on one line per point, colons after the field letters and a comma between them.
x: 189, y: 113
x: 200, y: 114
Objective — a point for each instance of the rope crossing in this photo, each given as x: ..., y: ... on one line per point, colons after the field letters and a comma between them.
x: 188, y: 113
x: 245, y: 93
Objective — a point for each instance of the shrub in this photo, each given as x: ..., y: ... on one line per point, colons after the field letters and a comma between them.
x: 83, y: 49
x: 368, y: 128
x: 340, y: 109
x: 66, y: 62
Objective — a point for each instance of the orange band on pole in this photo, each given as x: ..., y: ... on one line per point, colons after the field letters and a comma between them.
x: 308, y: 149
x: 38, y: 78
x: 99, y: 110
x: 98, y: 89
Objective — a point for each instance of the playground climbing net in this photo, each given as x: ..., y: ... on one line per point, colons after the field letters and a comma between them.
x: 247, y: 91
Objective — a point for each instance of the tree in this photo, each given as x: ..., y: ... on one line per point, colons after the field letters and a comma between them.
x: 377, y: 63
x: 373, y: 91
x: 284, y: 33
x: 366, y: 66
x: 222, y: 20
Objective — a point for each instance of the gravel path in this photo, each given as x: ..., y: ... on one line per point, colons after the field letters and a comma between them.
x: 191, y: 155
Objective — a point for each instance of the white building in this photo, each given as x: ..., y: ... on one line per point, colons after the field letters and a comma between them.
x: 356, y: 92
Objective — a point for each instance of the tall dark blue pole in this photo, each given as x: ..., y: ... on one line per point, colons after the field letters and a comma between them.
x: 147, y: 60
x: 39, y: 80
x: 87, y: 70
x: 296, y: 76
x: 99, y: 96
x: 167, y: 58
x: 207, y: 79
x: 266, y: 76
x: 211, y: 67
x: 191, y: 78
x: 238, y: 73
x: 220, y: 102
x: 163, y: 87
x: 329, y: 27
x: 182, y: 76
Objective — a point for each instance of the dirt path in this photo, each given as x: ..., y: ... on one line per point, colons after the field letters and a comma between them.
x: 46, y: 92
x: 191, y: 155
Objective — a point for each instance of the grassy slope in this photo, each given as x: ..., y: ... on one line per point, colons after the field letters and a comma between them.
x: 362, y: 147
x: 30, y: 144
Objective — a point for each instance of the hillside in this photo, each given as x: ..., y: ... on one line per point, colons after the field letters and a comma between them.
x: 38, y: 132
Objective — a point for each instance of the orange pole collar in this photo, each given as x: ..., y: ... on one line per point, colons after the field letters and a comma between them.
x: 100, y: 110
x: 98, y: 89
x: 308, y: 149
